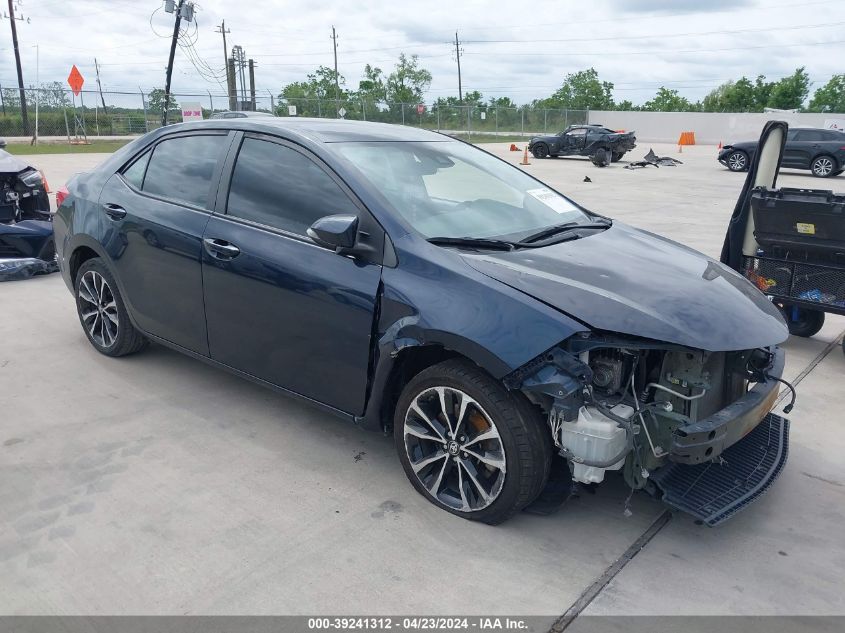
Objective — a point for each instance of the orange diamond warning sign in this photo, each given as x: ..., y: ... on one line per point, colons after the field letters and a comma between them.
x: 75, y: 80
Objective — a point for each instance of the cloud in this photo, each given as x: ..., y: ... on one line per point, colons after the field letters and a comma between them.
x: 678, y: 6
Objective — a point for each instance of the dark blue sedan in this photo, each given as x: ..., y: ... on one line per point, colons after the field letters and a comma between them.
x: 515, y: 344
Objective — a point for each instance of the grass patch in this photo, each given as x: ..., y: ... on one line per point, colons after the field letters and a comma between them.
x: 21, y: 149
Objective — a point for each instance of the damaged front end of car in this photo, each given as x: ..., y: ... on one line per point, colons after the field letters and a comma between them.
x: 690, y: 427
x: 27, y: 246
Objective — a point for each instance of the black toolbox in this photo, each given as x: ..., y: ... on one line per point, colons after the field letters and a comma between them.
x: 806, y: 221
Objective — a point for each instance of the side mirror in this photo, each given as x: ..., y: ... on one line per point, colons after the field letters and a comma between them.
x: 335, y: 231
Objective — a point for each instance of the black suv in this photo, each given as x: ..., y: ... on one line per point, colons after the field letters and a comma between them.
x: 821, y: 151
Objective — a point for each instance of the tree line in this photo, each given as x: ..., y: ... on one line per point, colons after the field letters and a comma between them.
x: 581, y: 90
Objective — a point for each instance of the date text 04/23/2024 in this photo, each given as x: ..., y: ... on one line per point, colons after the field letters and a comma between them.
x: 420, y: 623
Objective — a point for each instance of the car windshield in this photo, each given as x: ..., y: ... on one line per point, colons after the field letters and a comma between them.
x: 451, y: 189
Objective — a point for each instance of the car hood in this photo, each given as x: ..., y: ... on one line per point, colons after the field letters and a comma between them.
x: 11, y: 164
x: 632, y: 282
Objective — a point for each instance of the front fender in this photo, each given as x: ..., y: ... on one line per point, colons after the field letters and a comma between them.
x: 443, y: 302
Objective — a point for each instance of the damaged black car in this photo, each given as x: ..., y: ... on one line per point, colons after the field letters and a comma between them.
x: 26, y: 229
x: 511, y: 341
x: 583, y: 140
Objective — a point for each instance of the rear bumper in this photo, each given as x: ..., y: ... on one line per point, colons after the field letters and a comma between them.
x: 706, y: 439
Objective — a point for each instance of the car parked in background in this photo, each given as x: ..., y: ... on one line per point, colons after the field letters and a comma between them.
x: 583, y: 140
x: 819, y: 150
x: 239, y: 114
x: 406, y: 281
x: 26, y: 227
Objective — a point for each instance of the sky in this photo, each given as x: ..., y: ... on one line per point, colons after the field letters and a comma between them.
x: 520, y: 49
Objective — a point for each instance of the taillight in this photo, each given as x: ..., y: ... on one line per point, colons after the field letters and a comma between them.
x: 61, y: 194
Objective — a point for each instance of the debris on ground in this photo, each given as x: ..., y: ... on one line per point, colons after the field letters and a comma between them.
x: 653, y: 160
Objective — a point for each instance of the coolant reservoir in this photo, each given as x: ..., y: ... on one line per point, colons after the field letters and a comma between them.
x: 595, y: 437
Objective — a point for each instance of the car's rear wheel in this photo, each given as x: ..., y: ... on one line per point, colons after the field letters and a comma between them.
x: 737, y: 161
x: 102, y: 312
x: 468, y: 445
x: 615, y: 157
x: 802, y: 321
x: 540, y: 150
x: 823, y: 167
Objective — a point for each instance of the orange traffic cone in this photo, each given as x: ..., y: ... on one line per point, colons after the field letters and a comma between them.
x: 525, y: 157
x: 720, y: 145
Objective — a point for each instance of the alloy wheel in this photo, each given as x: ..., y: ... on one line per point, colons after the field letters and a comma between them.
x: 823, y: 166
x: 98, y: 309
x: 737, y: 161
x: 454, y: 449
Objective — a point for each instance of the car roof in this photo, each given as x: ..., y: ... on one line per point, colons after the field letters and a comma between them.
x: 319, y: 130
x: 817, y: 129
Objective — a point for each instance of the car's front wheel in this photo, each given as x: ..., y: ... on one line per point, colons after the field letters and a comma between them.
x: 468, y: 445
x: 737, y: 161
x: 540, y: 150
x: 823, y: 166
x: 102, y: 312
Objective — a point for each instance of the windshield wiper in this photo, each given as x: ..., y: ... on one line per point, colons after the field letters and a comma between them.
x: 562, y: 228
x: 473, y: 242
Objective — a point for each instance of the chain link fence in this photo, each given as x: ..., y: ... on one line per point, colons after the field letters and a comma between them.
x: 58, y: 114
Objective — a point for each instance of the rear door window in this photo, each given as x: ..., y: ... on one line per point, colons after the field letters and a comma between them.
x: 182, y: 168
x: 809, y: 135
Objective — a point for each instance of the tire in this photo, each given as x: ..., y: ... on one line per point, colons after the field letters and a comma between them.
x: 802, y: 321
x: 540, y: 150
x: 737, y: 161
x: 615, y: 157
x: 516, y: 456
x: 102, y: 312
x: 823, y: 166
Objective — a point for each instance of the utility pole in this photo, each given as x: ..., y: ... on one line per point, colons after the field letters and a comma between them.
x: 229, y: 78
x: 252, y: 84
x: 458, y: 57
x: 336, y: 82
x: 100, y: 86
x: 185, y: 9
x: 240, y: 60
x: 12, y: 19
x: 170, y: 62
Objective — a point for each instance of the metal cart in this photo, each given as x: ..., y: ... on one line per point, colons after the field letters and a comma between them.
x: 800, y: 262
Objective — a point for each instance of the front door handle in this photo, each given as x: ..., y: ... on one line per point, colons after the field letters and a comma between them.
x: 220, y: 249
x: 114, y: 211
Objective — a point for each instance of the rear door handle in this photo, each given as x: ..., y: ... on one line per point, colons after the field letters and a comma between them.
x: 220, y: 249
x: 114, y: 211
